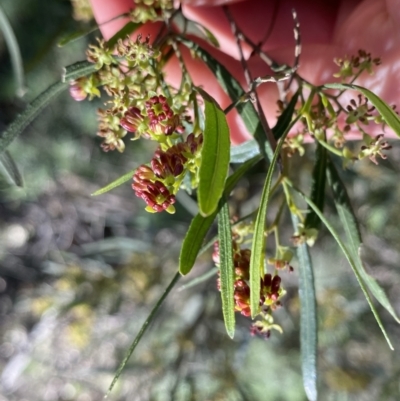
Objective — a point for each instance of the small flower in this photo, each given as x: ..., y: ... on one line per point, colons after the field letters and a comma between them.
x: 100, y: 55
x: 80, y: 88
x: 304, y: 235
x: 138, y: 53
x: 359, y: 112
x: 133, y: 121
x: 373, y: 148
x: 110, y: 130
x: 156, y: 195
x: 162, y: 120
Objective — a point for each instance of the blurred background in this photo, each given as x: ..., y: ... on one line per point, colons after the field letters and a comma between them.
x: 79, y: 274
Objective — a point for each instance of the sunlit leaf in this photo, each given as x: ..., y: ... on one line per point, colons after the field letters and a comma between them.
x: 200, y: 225
x: 387, y: 113
x: 227, y: 274
x: 15, y: 53
x: 318, y: 187
x: 116, y: 183
x: 350, y: 259
x: 143, y: 329
x: 353, y: 235
x: 214, y: 156
x: 258, y: 245
x: 308, y: 319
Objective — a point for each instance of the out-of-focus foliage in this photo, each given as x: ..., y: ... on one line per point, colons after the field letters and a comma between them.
x: 78, y: 275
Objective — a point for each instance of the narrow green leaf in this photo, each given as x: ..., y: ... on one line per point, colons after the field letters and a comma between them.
x: 11, y: 169
x: 286, y: 117
x: 78, y: 70
x: 318, y: 187
x: 116, y: 183
x: 227, y: 274
x: 143, y: 329
x: 200, y: 279
x: 214, y: 156
x: 29, y: 114
x: 258, y: 245
x: 122, y: 33
x: 208, y: 34
x: 234, y: 90
x: 15, y: 53
x: 308, y: 319
x: 200, y: 225
x: 350, y: 259
x: 72, y: 37
x: 353, y: 235
x: 387, y: 113
x: 244, y: 151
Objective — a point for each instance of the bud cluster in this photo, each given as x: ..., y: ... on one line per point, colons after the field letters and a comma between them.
x: 271, y: 290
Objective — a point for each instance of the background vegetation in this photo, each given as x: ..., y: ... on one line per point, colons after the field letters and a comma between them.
x: 79, y: 274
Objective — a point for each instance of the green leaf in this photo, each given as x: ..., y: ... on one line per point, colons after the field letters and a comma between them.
x: 353, y: 235
x: 258, y: 246
x: 244, y: 151
x: 116, y: 183
x: 208, y: 34
x: 286, y: 117
x: 11, y: 169
x: 234, y: 90
x: 214, y: 156
x: 227, y: 274
x: 350, y: 259
x: 125, y: 31
x: 318, y: 187
x: 387, y: 113
x: 72, y: 37
x: 37, y: 105
x: 143, y: 329
x: 78, y: 70
x: 200, y: 225
x: 308, y: 319
x: 29, y: 114
x: 15, y: 53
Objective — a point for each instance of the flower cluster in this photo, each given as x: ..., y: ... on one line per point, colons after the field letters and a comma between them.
x: 158, y: 183
x: 271, y: 290
x: 350, y: 67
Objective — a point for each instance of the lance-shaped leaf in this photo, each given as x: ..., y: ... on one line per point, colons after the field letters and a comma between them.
x: 349, y: 258
x: 200, y: 225
x: 15, y: 53
x: 78, y: 70
x: 308, y: 318
x: 387, y: 113
x: 318, y: 187
x: 79, y: 34
x: 227, y: 274
x: 258, y: 245
x: 214, y: 156
x: 142, y: 330
x: 250, y: 148
x: 11, y: 169
x: 286, y: 117
x: 29, y: 114
x: 353, y: 235
x: 116, y: 183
